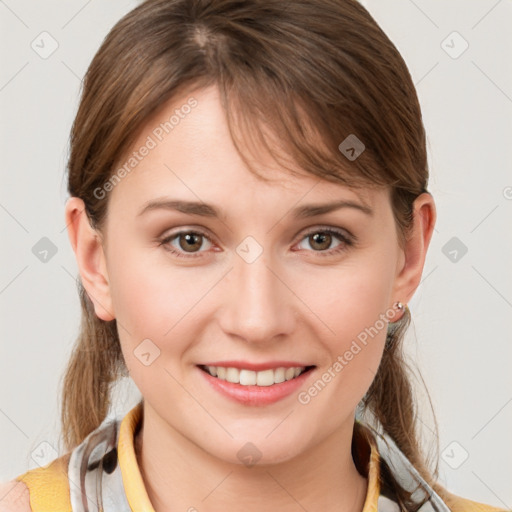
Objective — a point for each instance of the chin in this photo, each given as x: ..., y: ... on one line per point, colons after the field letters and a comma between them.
x: 256, y: 450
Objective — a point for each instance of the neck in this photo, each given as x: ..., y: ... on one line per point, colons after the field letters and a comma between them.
x: 179, y: 475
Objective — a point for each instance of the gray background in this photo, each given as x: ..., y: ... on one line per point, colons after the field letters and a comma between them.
x: 460, y: 336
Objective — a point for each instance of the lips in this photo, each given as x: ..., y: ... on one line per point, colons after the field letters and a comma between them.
x: 250, y: 387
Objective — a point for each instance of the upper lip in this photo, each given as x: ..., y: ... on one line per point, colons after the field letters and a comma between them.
x: 246, y: 365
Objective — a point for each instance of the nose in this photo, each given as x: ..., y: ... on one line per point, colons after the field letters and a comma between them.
x: 258, y: 306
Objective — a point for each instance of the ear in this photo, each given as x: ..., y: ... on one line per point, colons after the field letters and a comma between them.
x: 412, y: 258
x: 87, y: 245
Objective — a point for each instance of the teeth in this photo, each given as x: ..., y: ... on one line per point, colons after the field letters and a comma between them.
x: 247, y: 378
x: 233, y: 375
x: 289, y: 373
x: 251, y: 378
x: 264, y: 378
x: 279, y: 375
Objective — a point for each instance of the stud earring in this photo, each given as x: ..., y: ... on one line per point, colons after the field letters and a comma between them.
x: 392, y: 326
x: 399, y: 306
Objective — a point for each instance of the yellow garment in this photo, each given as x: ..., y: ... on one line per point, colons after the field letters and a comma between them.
x: 49, y: 485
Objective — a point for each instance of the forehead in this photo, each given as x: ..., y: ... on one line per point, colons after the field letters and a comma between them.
x: 186, y: 149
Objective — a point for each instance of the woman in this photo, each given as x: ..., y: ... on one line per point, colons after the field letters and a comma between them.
x: 250, y: 216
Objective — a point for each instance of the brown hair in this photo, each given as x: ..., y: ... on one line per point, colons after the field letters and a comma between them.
x: 307, y: 73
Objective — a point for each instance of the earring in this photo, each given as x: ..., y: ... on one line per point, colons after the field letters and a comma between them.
x: 392, y: 326
x: 400, y: 307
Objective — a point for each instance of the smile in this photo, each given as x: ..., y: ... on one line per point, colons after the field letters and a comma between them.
x: 262, y: 378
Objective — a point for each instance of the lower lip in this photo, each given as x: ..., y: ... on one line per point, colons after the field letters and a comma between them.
x: 256, y: 395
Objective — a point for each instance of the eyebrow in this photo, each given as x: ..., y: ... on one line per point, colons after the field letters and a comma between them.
x: 208, y: 210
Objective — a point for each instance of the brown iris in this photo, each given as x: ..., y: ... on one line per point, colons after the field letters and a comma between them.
x: 321, y: 239
x: 190, y: 241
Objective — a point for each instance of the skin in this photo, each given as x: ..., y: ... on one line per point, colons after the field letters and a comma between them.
x: 291, y: 303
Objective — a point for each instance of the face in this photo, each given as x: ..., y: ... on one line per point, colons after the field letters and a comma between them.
x: 244, y: 279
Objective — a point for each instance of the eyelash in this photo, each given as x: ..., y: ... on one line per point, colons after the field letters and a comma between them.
x: 347, y: 242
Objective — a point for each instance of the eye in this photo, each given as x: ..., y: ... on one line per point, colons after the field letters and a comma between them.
x: 185, y: 243
x: 188, y: 244
x: 321, y: 241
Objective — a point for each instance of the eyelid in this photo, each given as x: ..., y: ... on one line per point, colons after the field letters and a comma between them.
x: 333, y: 229
x: 179, y: 230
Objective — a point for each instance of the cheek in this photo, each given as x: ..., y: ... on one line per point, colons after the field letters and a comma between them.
x: 351, y: 306
x: 350, y: 299
x: 150, y: 311
x: 155, y: 300
x: 354, y: 350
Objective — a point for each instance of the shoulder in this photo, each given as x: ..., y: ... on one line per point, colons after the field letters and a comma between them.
x: 460, y: 504
x: 14, y: 497
x: 40, y: 489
